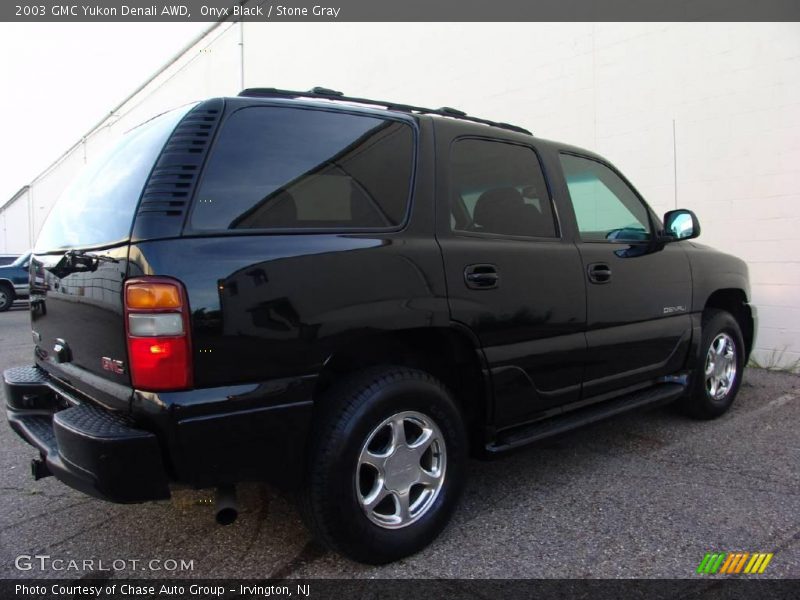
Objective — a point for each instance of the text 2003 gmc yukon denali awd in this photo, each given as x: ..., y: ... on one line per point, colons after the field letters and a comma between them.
x: 347, y: 297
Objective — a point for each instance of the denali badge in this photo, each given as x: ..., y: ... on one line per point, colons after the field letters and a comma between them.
x: 668, y: 310
x: 115, y: 366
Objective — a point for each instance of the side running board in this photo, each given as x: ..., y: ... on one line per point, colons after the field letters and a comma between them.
x: 519, y: 436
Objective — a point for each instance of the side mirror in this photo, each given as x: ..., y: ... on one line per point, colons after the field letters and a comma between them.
x: 681, y: 224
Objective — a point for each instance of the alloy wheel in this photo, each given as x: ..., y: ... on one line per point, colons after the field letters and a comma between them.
x: 401, y: 469
x: 721, y: 367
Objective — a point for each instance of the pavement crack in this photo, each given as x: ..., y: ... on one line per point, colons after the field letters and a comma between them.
x: 768, y: 478
x: 46, y: 514
x: 78, y: 533
x: 675, y: 481
x: 788, y: 542
x: 261, y: 517
x: 310, y: 553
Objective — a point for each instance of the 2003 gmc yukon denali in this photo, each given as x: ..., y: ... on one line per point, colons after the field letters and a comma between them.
x: 347, y: 297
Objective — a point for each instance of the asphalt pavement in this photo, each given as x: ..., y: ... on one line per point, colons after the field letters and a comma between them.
x: 643, y: 495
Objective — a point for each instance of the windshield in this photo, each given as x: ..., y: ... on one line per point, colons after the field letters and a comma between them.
x: 21, y: 260
x: 97, y: 208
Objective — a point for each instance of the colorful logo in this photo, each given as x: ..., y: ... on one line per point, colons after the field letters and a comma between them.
x: 718, y: 563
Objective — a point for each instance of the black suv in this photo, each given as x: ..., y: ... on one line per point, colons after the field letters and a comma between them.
x: 348, y: 297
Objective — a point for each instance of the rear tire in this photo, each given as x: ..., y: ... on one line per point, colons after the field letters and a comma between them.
x: 7, y: 297
x: 719, y: 367
x: 386, y: 465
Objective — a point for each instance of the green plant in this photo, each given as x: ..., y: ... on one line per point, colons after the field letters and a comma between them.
x: 775, y: 361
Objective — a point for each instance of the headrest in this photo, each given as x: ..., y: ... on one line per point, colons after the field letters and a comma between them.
x: 495, y: 205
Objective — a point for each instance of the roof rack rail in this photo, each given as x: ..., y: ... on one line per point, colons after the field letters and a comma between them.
x: 328, y: 94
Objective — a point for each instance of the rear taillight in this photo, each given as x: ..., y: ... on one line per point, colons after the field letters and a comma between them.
x: 157, y: 327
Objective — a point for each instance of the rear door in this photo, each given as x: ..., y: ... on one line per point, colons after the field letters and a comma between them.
x: 80, y: 262
x: 638, y: 323
x: 512, y: 277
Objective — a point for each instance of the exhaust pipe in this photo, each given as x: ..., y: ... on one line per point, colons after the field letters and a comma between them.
x: 226, y: 509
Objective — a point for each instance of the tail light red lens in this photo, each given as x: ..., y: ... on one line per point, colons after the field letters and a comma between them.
x: 157, y: 328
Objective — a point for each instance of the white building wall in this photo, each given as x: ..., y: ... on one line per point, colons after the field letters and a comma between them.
x: 15, y: 224
x: 703, y: 115
x: 209, y: 68
x: 710, y: 109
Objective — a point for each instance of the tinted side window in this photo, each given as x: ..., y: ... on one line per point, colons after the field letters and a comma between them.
x: 275, y: 167
x: 605, y: 206
x: 499, y: 188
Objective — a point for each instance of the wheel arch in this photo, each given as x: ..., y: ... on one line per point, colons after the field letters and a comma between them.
x: 448, y: 353
x: 734, y: 301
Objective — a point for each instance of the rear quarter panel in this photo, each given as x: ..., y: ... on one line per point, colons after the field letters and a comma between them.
x: 271, y: 306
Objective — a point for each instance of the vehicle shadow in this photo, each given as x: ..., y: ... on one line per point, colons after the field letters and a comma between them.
x: 528, y: 503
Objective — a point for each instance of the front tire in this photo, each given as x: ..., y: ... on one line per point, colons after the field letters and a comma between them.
x: 386, y: 466
x: 6, y: 297
x: 719, y: 368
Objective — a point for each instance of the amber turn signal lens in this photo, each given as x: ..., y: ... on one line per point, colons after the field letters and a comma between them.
x: 152, y: 295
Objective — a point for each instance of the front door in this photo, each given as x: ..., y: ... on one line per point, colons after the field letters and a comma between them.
x: 638, y: 295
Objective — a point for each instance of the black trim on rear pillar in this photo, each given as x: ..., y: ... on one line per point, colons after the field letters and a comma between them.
x: 172, y: 182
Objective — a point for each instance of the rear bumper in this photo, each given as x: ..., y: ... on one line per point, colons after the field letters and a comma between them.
x: 199, y: 438
x: 86, y: 447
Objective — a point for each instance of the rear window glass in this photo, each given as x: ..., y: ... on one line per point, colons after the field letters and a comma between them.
x: 277, y: 168
x: 97, y: 208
